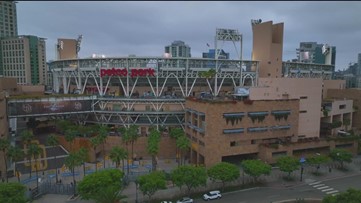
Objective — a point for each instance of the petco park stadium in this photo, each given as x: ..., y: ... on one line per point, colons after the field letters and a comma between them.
x: 148, y: 90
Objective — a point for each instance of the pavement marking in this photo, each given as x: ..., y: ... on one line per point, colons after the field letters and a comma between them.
x: 332, y: 192
x: 320, y: 188
x: 318, y: 185
x: 314, y: 183
x: 327, y: 189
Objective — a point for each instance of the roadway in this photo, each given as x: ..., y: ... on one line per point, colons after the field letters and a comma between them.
x: 310, y: 189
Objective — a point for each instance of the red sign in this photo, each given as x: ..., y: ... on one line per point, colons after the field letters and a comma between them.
x: 142, y: 72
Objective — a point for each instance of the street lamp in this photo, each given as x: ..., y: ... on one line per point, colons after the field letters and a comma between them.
x: 302, y: 161
x: 136, y: 191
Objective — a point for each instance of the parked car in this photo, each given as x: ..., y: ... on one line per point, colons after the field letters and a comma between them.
x: 166, y: 202
x: 185, y: 200
x: 216, y: 194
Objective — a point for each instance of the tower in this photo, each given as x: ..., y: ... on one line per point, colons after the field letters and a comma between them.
x: 8, y: 19
x: 267, y: 48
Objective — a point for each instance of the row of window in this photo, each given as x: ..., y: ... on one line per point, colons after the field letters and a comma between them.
x: 257, y: 113
x: 256, y: 129
x: 13, y: 53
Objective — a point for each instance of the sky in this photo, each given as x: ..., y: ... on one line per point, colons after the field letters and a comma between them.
x: 144, y: 28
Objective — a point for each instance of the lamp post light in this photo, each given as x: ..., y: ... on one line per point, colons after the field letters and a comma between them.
x: 302, y: 161
x: 136, y: 191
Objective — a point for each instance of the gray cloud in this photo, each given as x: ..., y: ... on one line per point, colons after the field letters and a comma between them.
x: 144, y: 28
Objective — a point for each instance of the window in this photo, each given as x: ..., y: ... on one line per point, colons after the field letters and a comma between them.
x: 233, y: 131
x: 303, y: 111
x: 303, y: 97
x: 343, y: 106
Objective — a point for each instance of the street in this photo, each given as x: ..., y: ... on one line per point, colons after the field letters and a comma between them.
x: 307, y: 190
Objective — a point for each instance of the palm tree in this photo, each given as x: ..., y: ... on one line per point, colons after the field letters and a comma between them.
x: 183, y: 144
x: 83, y: 155
x: 16, y: 154
x: 95, y: 141
x: 70, y: 137
x: 103, y: 134
x: 34, y: 150
x: 72, y: 161
x: 4, y: 146
x: 175, y: 133
x: 27, y: 136
x: 133, y: 136
x: 125, y: 139
x: 54, y: 141
x: 117, y: 154
x: 153, y: 146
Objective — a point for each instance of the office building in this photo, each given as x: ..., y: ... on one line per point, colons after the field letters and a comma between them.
x: 178, y: 49
x: 211, y: 54
x: 24, y: 58
x: 311, y: 52
x: 8, y: 19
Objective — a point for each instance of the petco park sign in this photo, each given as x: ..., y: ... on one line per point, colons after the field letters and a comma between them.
x: 142, y: 72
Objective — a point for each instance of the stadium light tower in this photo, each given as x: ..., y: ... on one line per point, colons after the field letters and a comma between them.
x: 224, y: 35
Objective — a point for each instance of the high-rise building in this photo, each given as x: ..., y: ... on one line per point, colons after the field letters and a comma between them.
x: 178, y: 49
x: 24, y: 58
x: 211, y: 54
x: 359, y: 64
x: 8, y: 19
x: 311, y: 52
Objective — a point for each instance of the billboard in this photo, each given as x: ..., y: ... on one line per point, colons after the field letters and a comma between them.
x: 55, y: 107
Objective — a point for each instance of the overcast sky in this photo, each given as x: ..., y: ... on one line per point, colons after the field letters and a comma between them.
x: 145, y: 28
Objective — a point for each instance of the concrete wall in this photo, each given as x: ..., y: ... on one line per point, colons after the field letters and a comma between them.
x: 307, y: 90
x: 267, y: 48
x: 214, y: 144
x: 332, y: 84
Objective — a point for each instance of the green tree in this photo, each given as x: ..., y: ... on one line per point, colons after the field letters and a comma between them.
x: 71, y: 161
x: 256, y: 168
x: 16, y: 154
x: 153, y: 146
x: 175, y: 133
x: 103, y: 186
x: 53, y: 141
x: 317, y: 160
x: 346, y: 123
x: 12, y: 192
x: 4, y: 146
x: 118, y: 154
x: 350, y: 196
x: 190, y: 176
x: 63, y: 125
x: 288, y: 164
x: 149, y: 184
x: 34, y: 151
x: 341, y: 156
x: 70, y: 135
x: 95, y: 142
x: 83, y: 156
x: 224, y: 172
x: 183, y: 144
x: 27, y: 136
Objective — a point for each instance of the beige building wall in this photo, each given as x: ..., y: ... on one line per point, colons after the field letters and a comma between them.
x: 307, y: 90
x: 267, y: 48
x: 353, y: 94
x: 66, y: 49
x: 209, y: 147
x: 332, y: 84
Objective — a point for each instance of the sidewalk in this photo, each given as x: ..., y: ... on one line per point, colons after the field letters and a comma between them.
x: 275, y: 180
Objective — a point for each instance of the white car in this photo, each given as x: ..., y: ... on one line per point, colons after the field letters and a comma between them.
x: 185, y: 200
x: 216, y: 194
x: 166, y: 202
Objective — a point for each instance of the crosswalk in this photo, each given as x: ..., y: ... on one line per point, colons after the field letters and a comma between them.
x: 324, y: 188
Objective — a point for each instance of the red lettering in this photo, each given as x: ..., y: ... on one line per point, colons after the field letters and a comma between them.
x: 151, y: 72
x: 124, y: 72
